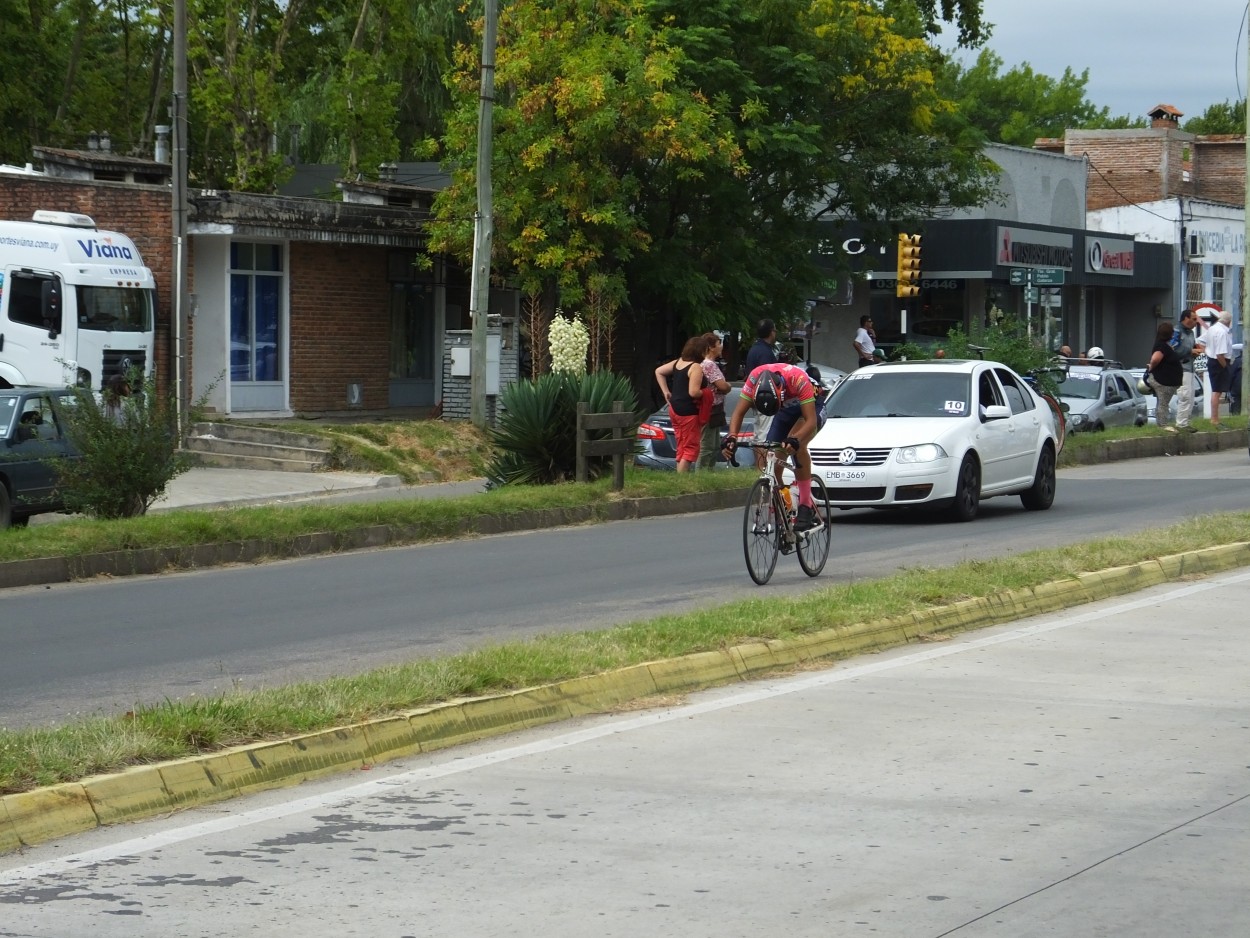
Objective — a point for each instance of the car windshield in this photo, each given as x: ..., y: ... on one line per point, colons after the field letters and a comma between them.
x: 114, y: 309
x: 879, y: 392
x: 1082, y: 387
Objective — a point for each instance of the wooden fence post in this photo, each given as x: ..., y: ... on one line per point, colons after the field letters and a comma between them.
x: 617, y: 446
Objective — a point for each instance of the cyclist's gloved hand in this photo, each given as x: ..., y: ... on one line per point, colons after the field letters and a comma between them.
x: 730, y: 447
x: 793, y: 443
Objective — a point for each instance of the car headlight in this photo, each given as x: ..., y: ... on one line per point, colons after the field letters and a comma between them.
x: 923, y: 452
x: 1078, y: 420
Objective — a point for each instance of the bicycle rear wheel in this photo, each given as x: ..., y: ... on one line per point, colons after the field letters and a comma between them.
x: 814, y: 544
x: 761, y: 531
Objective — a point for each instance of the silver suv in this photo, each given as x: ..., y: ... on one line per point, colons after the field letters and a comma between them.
x: 1099, y: 397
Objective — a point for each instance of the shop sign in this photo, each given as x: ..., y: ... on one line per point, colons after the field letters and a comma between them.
x: 1026, y: 247
x: 1109, y: 256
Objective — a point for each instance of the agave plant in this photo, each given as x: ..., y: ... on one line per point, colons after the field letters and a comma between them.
x: 536, y: 436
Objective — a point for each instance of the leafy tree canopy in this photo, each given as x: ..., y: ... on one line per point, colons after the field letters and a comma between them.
x: 1224, y: 118
x: 679, y: 157
x: 1019, y: 105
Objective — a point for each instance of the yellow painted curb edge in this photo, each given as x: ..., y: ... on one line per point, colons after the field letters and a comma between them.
x: 45, y: 814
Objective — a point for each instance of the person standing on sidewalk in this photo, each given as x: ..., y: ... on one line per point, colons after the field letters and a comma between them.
x: 866, y: 342
x: 681, y: 383
x: 1185, y: 340
x: 1219, y: 362
x: 1164, y: 374
x: 709, y: 445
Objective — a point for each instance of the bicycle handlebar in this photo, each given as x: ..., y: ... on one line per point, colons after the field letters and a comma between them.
x: 733, y: 457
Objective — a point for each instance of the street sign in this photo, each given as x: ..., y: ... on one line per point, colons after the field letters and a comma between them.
x: 1041, y: 276
x: 1030, y: 294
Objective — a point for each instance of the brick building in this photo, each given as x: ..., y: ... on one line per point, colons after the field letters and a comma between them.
x: 1162, y: 185
x: 297, y: 305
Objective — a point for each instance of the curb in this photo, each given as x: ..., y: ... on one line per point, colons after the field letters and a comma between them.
x: 34, y: 817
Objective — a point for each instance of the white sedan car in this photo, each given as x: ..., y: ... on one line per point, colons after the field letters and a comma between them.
x: 936, y: 434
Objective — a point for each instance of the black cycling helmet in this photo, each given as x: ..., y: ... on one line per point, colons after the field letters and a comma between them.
x: 768, y: 394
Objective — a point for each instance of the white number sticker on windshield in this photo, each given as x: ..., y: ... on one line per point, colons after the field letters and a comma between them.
x: 955, y: 407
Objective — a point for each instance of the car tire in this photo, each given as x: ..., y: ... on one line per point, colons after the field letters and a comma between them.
x: 6, y: 508
x: 1041, y: 495
x: 967, y: 498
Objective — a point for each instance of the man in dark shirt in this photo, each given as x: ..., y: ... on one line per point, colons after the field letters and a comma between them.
x: 763, y: 351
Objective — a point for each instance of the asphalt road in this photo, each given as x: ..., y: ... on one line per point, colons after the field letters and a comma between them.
x: 1077, y: 774
x: 102, y: 647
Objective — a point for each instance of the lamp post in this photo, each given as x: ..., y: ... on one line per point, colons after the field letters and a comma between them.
x: 1244, y: 390
x: 178, y: 288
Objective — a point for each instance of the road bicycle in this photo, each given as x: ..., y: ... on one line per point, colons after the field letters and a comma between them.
x: 768, y: 523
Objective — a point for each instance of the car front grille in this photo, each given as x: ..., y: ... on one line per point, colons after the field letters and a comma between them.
x: 120, y: 362
x: 863, y: 457
x: 865, y: 493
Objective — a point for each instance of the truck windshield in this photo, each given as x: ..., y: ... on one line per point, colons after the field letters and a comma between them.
x: 114, y: 309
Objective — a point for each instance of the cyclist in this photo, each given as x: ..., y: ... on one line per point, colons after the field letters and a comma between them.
x: 785, y: 393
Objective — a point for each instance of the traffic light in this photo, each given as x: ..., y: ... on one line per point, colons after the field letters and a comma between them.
x: 908, y: 265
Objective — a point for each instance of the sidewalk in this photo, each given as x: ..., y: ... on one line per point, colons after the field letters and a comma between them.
x: 220, y: 488
x: 216, y: 488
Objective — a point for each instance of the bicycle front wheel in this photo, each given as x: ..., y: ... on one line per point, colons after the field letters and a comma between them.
x: 761, y: 532
x: 814, y: 544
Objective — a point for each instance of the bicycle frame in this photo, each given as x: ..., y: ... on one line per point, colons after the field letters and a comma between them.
x: 769, y: 524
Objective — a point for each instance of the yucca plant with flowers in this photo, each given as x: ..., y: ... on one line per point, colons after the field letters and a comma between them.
x: 535, y: 437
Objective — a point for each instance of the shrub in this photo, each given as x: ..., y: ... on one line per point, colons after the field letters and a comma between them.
x: 1007, y: 341
x: 536, y: 436
x: 130, y: 451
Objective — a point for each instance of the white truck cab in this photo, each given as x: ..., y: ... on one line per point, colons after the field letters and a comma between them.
x: 77, y: 304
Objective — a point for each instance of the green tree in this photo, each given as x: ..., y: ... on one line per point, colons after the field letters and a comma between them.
x: 1019, y: 105
x: 678, y: 158
x: 1224, y: 118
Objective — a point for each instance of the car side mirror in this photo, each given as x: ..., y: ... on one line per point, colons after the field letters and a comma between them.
x: 996, y: 412
x: 25, y: 432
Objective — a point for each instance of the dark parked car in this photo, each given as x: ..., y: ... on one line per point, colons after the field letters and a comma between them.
x: 658, y: 443
x: 32, y: 440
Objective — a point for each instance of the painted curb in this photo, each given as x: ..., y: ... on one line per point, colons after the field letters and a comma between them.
x: 142, y: 792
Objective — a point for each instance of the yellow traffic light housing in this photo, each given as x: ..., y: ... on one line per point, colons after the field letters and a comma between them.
x: 908, y: 265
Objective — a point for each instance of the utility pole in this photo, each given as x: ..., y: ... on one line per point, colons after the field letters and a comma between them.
x: 1244, y: 390
x: 178, y: 289
x: 483, y: 225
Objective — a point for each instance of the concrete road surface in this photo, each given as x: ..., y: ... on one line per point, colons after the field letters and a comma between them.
x: 1086, y: 773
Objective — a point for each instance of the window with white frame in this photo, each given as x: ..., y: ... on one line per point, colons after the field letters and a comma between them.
x: 256, y: 290
x: 1217, y: 285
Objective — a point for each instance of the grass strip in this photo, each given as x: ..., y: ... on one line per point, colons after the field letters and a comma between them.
x: 427, y: 519
x: 31, y: 758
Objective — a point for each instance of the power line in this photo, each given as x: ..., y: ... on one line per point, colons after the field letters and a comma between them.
x: 1127, y: 200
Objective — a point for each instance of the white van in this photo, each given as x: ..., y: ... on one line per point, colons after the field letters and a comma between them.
x: 77, y: 304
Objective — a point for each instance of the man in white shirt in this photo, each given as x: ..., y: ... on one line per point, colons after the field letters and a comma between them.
x: 865, y: 344
x: 1219, y: 340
